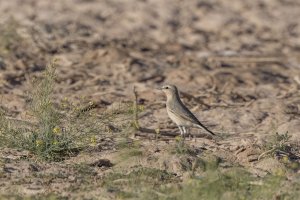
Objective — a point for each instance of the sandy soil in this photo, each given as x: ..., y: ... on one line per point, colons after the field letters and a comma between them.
x: 236, y: 65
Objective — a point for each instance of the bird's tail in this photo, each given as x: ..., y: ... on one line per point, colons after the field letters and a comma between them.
x: 202, y: 126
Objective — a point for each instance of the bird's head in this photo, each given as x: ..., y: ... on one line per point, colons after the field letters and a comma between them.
x: 169, y: 90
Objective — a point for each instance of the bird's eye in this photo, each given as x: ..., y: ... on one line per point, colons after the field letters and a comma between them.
x: 167, y: 87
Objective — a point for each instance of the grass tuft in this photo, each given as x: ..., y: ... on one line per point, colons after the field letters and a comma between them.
x: 277, y: 146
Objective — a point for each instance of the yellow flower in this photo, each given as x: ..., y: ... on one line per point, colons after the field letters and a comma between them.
x: 56, y: 130
x: 285, y: 159
x: 141, y: 108
x: 178, y: 138
x: 295, y: 166
x: 93, y: 141
x: 157, y: 131
x: 279, y: 172
x: 38, y: 143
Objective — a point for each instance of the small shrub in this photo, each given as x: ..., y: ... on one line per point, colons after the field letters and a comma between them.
x: 59, y: 130
x: 277, y: 146
x: 46, y: 138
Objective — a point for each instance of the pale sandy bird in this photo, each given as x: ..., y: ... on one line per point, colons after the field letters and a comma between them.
x: 179, y: 113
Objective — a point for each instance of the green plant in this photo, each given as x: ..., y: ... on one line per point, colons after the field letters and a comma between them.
x: 46, y: 138
x: 129, y: 148
x: 278, y: 144
x: 181, y: 147
x: 138, y: 183
x: 58, y: 130
x: 234, y: 183
x: 10, y: 135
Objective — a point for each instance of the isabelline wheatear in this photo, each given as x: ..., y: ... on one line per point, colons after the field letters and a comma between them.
x: 179, y: 113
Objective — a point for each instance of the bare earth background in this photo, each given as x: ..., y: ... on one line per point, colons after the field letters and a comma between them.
x: 236, y: 62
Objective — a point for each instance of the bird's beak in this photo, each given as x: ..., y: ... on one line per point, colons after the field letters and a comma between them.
x: 160, y: 88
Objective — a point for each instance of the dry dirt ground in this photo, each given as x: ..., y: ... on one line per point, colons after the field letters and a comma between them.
x: 236, y: 64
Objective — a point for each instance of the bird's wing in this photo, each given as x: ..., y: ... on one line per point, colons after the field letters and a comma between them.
x: 184, y: 113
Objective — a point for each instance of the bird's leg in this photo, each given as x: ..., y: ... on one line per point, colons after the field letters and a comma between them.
x: 188, y: 131
x: 184, y: 130
x: 181, y: 130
